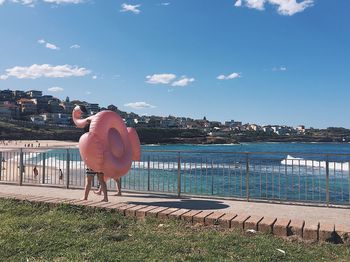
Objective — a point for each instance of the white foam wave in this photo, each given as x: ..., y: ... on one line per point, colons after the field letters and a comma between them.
x: 294, y: 161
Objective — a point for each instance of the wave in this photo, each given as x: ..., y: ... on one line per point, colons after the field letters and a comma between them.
x: 294, y: 161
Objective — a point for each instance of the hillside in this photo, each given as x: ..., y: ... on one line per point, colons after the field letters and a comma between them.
x: 16, y: 131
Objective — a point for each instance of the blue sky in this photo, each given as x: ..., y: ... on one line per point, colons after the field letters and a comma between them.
x: 257, y: 61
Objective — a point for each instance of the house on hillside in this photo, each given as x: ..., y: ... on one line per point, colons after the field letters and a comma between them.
x: 27, y: 106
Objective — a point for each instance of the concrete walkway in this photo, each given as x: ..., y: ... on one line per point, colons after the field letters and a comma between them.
x: 292, y: 219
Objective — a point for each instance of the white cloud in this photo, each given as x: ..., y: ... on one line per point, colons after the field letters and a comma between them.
x: 75, y: 46
x: 88, y: 93
x: 281, y: 68
x: 256, y: 4
x: 94, y: 77
x: 55, y: 89
x: 58, y: 2
x: 52, y: 46
x: 291, y: 7
x: 45, y: 70
x: 130, y: 8
x: 31, y: 3
x: 183, y: 82
x: 238, y: 3
x: 164, y: 4
x: 160, y: 78
x: 48, y: 45
x: 231, y: 76
x: 284, y: 7
x: 139, y: 105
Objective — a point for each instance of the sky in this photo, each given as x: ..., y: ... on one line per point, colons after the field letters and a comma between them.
x: 281, y: 62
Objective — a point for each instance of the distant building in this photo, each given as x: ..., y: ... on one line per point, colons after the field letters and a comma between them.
x: 214, y: 124
x: 199, y: 123
x: 34, y: 93
x: 5, y: 95
x: 233, y: 124
x: 169, y: 122
x: 112, y: 108
x: 67, y: 107
x: 17, y: 94
x: 13, y: 108
x: 267, y: 129
x: 54, y: 106
x: 5, y: 112
x: 301, y: 129
x: 42, y: 103
x: 92, y: 108
x: 254, y: 127
x: 56, y: 118
x: 27, y: 106
x: 130, y: 122
x: 38, y: 120
x: 143, y: 121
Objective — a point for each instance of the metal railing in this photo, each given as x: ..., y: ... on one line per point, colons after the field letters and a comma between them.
x: 320, y: 179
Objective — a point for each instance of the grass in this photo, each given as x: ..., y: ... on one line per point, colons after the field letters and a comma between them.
x: 38, y: 232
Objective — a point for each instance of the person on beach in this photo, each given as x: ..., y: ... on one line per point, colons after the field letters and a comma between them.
x: 90, y: 174
x: 61, y: 174
x: 35, y: 171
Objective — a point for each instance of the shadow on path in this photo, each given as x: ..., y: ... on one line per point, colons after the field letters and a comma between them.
x: 152, y: 196
x: 186, y: 203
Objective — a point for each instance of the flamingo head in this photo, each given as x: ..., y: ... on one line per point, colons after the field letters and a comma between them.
x: 76, y: 115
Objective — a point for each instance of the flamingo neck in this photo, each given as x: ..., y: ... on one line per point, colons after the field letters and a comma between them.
x: 76, y: 115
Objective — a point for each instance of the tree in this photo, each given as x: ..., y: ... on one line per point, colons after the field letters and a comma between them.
x: 67, y: 99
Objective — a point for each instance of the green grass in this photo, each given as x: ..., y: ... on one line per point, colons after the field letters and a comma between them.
x: 33, y: 232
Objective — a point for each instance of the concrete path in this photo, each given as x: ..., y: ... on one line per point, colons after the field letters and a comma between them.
x: 303, y: 217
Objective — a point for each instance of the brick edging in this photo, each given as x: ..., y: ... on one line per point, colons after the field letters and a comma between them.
x: 305, y: 230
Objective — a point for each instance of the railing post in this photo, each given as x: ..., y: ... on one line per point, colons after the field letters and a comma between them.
x: 148, y: 173
x: 247, y: 176
x: 178, y: 175
x: 327, y: 182
x: 0, y: 165
x: 67, y: 169
x: 21, y: 167
x: 44, y: 168
x: 349, y: 182
x: 212, y: 178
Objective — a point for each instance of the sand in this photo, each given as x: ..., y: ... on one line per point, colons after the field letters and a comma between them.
x: 10, y: 161
x: 14, y: 145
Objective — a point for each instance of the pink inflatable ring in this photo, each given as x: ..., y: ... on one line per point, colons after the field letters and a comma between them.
x: 109, y: 146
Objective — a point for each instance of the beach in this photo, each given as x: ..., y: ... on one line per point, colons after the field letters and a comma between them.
x: 10, y: 161
x: 10, y: 145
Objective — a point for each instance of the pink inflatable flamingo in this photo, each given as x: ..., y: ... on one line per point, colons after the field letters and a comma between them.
x: 109, y: 146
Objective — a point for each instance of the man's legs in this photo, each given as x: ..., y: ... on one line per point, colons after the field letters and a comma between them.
x: 103, y: 187
x: 88, y: 182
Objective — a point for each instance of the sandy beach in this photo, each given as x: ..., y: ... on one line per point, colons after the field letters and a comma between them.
x: 10, y: 161
x: 10, y: 145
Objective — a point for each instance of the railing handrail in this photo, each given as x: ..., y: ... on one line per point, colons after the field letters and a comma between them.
x: 35, y: 149
x: 245, y: 152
